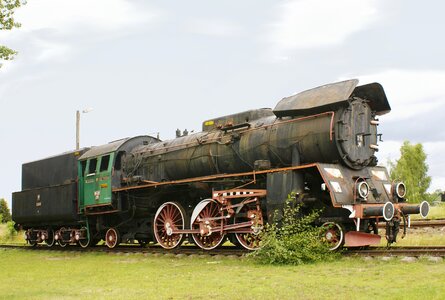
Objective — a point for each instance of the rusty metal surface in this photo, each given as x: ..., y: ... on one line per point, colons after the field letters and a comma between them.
x: 212, y: 177
x: 422, y: 223
x: 150, y: 250
x: 400, y: 251
x: 315, y: 99
x: 376, y: 95
x: 117, y: 145
x: 236, y: 119
x: 219, y: 152
x: 332, y: 95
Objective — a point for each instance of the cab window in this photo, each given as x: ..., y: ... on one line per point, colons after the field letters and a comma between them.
x: 92, y: 166
x: 83, y: 166
x: 118, y: 162
x: 104, y: 162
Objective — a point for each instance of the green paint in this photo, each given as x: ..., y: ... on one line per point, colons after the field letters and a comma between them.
x: 95, y: 176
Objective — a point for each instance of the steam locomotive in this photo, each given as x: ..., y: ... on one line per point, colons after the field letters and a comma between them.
x: 227, y: 181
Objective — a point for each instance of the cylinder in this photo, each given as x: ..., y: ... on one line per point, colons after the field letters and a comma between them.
x: 422, y: 209
x: 386, y: 211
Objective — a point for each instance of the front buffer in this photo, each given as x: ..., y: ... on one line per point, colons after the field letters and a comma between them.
x: 369, y: 197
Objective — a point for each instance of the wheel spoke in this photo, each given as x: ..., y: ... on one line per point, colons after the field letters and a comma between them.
x: 211, y: 239
x: 169, y: 217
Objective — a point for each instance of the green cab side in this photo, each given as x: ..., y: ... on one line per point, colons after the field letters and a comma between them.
x: 100, y: 171
x: 95, y: 181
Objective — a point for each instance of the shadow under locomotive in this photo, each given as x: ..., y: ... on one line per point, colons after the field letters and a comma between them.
x: 226, y: 181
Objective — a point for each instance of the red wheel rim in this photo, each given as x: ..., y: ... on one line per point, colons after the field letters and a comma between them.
x: 169, y: 217
x: 210, y: 239
x: 111, y: 238
x: 333, y: 235
x: 250, y: 241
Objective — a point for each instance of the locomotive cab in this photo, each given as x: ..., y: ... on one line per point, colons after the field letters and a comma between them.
x: 100, y: 172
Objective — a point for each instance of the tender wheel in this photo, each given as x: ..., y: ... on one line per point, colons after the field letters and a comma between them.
x: 50, y: 241
x: 170, y: 216
x: 86, y: 242
x: 334, y: 235
x: 207, y: 239
x: 31, y: 238
x: 60, y: 239
x: 112, y: 238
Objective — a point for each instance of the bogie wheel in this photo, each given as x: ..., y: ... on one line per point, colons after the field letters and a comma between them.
x: 169, y: 217
x: 333, y: 234
x: 86, y: 242
x: 50, y: 241
x: 32, y: 241
x: 112, y: 238
x: 208, y: 238
x: 60, y: 240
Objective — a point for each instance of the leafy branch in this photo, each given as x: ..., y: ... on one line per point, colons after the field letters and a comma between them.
x: 7, y: 22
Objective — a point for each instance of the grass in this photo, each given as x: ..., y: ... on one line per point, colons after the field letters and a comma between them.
x: 422, y: 236
x: 417, y: 237
x: 62, y: 275
x: 6, y: 239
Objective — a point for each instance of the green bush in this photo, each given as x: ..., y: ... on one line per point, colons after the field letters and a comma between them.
x: 293, y: 240
x: 10, y: 229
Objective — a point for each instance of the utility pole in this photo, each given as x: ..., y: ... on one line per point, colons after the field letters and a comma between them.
x: 77, y: 130
x: 78, y: 125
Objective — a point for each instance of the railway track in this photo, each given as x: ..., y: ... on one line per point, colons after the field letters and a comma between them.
x: 128, y: 249
x: 399, y: 251
x: 228, y: 251
x: 188, y: 250
x: 422, y: 223
x: 428, y: 223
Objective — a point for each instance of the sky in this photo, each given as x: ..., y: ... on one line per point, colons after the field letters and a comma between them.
x: 149, y: 67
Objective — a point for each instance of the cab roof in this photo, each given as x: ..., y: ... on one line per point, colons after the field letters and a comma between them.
x: 126, y: 144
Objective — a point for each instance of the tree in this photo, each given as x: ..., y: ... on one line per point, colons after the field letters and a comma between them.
x: 7, y: 22
x: 412, y: 169
x: 4, y: 211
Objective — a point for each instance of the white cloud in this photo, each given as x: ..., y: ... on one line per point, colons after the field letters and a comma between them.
x: 52, y: 51
x: 55, y: 29
x: 388, y: 150
x: 410, y: 92
x: 304, y: 24
x: 436, y: 163
x: 69, y: 15
x: 215, y: 27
